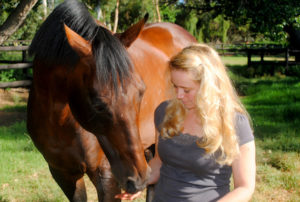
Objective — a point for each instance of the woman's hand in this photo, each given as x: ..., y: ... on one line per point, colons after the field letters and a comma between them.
x: 127, y: 196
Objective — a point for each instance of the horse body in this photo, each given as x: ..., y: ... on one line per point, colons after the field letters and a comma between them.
x: 151, y: 52
x: 86, y: 119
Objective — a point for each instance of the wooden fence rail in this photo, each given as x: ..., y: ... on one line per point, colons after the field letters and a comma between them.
x: 248, y: 50
x: 22, y: 64
x: 261, y: 50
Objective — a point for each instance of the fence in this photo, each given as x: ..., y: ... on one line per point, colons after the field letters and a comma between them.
x: 261, y: 50
x: 247, y: 49
x: 22, y: 64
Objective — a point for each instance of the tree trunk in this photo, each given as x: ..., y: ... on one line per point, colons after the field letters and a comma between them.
x: 157, y: 10
x: 116, y: 17
x: 15, y: 19
x: 45, y: 8
x: 51, y: 4
x: 99, y: 13
x: 154, y: 16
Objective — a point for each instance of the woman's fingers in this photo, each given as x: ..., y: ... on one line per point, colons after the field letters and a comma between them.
x: 127, y: 196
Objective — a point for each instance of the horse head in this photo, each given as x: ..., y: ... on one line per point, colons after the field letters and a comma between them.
x: 104, y: 95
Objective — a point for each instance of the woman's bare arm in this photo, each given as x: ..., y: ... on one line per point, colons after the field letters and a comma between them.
x: 244, y: 171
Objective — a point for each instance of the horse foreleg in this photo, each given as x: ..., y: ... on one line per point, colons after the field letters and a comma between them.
x: 72, y: 185
x: 149, y: 154
x: 105, y: 184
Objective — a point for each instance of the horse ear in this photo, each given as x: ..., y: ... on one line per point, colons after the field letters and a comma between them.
x: 81, y: 46
x: 132, y: 32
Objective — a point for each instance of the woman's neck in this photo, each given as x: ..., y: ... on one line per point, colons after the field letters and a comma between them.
x: 192, y: 123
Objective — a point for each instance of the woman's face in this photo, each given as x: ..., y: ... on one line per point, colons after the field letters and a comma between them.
x: 186, y: 87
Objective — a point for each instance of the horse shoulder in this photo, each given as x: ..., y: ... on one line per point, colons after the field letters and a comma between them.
x: 167, y: 37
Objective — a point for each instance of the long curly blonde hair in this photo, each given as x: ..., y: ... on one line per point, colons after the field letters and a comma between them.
x: 217, y: 103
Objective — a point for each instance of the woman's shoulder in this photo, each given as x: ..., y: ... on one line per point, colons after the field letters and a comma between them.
x: 160, y: 113
x: 243, y: 128
x: 162, y: 106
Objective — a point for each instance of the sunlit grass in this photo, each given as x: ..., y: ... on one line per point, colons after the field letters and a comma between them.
x: 24, y: 175
x: 274, y: 106
x: 243, y: 60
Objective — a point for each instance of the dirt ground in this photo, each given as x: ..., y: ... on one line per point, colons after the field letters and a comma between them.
x: 12, y: 97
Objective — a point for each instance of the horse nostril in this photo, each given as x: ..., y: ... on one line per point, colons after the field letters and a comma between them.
x: 130, y: 186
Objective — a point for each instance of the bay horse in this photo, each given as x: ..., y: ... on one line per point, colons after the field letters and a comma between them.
x: 93, y: 96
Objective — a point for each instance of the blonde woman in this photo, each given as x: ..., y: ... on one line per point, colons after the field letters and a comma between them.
x: 203, y: 135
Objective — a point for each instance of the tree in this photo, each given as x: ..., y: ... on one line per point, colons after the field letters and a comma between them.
x: 266, y: 17
x: 15, y: 19
x: 133, y: 11
x: 116, y: 16
x: 45, y: 8
x: 156, y: 3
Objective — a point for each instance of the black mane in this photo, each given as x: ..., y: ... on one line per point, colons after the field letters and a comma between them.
x: 50, y: 44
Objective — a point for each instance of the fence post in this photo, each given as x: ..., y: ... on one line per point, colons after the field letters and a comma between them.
x: 249, y: 57
x: 24, y: 55
x: 287, y: 59
x: 262, y: 53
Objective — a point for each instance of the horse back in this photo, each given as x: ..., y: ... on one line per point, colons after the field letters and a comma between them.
x: 151, y: 53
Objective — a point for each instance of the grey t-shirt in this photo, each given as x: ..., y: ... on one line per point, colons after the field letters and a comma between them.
x: 187, y: 173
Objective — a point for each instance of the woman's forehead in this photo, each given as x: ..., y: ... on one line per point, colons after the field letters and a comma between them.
x: 182, y: 78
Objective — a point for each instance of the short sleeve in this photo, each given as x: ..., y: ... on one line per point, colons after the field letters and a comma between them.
x: 243, y: 129
x: 159, y: 114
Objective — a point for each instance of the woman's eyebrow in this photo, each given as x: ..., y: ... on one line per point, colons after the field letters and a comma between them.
x: 186, y: 88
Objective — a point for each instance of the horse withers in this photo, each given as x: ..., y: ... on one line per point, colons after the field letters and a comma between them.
x: 92, y: 101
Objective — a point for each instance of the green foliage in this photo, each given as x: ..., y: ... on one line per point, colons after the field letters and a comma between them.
x: 295, y: 70
x: 264, y: 16
x: 218, y: 29
x: 225, y: 24
x: 31, y: 24
x: 206, y: 27
x: 209, y: 21
x: 191, y: 23
x: 129, y: 12
x: 8, y: 5
x: 168, y: 12
x: 12, y: 74
x: 133, y: 11
x: 7, y: 75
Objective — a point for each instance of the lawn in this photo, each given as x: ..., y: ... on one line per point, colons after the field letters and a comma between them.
x: 272, y: 101
x: 274, y: 105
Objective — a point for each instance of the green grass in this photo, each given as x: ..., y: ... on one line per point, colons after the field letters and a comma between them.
x: 274, y: 105
x: 16, y: 108
x: 272, y: 101
x: 24, y: 174
x: 240, y: 60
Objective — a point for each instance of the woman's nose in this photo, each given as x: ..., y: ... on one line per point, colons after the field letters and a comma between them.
x: 180, y: 93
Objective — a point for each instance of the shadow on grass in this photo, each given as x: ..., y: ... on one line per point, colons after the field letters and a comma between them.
x: 15, y: 138
x: 16, y: 108
x: 10, y: 115
x: 274, y: 106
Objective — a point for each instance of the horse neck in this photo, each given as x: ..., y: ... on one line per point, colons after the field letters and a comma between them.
x: 50, y: 82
